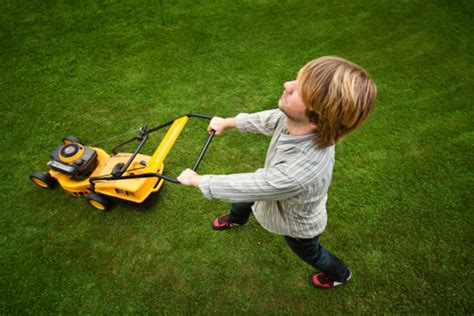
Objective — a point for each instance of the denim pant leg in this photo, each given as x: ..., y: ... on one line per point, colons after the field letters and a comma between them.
x: 240, y: 212
x: 311, y: 251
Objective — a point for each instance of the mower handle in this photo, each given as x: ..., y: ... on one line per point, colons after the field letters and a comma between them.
x: 143, y: 136
x: 203, y: 150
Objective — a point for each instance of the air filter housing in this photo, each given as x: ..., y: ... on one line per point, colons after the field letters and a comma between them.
x: 73, y: 159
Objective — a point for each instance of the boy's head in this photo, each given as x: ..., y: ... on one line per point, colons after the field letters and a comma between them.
x: 339, y: 97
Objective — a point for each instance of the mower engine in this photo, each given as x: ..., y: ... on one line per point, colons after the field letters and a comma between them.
x: 73, y: 159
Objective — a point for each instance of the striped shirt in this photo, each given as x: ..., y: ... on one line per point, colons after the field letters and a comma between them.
x: 290, y: 192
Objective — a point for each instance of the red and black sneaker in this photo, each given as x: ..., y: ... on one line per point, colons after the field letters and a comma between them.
x: 324, y: 281
x: 223, y: 222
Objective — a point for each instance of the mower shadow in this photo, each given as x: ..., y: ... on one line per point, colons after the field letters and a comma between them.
x: 145, y: 206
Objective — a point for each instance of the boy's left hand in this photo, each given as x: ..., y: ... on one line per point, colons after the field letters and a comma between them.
x: 189, y: 177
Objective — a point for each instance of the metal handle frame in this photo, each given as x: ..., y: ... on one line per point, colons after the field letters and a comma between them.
x: 143, y: 137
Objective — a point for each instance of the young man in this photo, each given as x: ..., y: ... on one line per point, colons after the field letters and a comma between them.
x: 330, y: 98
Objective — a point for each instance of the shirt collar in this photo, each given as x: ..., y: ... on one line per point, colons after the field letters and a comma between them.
x: 286, y: 138
x: 293, y: 139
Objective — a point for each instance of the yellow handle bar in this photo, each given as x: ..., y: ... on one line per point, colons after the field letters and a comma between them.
x: 165, y: 146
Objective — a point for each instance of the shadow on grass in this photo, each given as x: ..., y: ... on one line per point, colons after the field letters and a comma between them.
x: 146, y: 206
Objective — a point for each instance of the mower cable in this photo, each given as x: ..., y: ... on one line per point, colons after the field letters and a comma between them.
x: 111, y: 175
x: 113, y: 137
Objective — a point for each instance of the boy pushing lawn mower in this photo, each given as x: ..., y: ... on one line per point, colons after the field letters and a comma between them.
x: 330, y: 98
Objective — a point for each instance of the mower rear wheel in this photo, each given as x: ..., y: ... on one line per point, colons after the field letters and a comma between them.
x: 100, y: 202
x: 43, y: 179
x: 69, y: 139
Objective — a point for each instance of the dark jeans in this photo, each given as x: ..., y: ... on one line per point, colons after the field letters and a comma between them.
x: 309, y: 250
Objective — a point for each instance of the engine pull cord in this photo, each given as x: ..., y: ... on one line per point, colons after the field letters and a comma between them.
x: 113, y: 137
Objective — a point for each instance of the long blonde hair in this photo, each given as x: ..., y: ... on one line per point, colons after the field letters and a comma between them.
x: 339, y: 97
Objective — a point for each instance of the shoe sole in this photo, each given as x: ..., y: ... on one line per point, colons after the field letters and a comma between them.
x: 225, y: 228
x: 336, y: 283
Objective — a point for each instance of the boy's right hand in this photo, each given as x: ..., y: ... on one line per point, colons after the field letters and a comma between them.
x: 219, y: 124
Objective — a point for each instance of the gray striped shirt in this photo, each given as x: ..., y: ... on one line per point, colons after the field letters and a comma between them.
x: 290, y: 192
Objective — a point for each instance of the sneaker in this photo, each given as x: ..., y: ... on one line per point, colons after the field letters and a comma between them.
x: 223, y: 222
x: 324, y: 281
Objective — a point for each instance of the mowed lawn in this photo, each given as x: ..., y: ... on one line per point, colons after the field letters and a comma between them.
x: 400, y: 206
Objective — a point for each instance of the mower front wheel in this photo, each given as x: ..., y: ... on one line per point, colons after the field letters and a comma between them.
x: 43, y: 180
x: 100, y: 202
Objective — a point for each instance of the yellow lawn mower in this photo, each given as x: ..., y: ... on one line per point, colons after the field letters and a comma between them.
x: 99, y: 177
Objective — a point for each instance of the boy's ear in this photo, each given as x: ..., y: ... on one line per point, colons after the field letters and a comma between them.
x: 313, y: 119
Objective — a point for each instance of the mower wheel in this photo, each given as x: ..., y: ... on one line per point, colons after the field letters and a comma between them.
x: 100, y: 202
x: 43, y: 180
x: 71, y: 139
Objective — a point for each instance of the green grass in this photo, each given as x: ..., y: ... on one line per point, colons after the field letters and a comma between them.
x: 400, y: 206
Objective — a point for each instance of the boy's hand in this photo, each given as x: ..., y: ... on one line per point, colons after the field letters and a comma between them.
x: 189, y: 177
x: 219, y: 124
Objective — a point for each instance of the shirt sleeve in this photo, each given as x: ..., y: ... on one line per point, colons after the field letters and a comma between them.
x: 264, y: 184
x: 263, y: 122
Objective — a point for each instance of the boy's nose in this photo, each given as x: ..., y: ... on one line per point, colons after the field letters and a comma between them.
x: 289, y: 86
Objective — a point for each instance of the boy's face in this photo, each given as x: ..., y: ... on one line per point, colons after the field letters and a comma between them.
x: 291, y: 103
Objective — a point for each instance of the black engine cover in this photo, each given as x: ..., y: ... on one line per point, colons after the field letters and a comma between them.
x: 80, y: 168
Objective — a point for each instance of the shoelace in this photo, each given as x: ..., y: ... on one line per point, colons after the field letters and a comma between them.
x: 224, y: 220
x: 325, y: 279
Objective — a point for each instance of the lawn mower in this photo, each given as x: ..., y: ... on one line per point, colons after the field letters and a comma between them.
x: 90, y: 172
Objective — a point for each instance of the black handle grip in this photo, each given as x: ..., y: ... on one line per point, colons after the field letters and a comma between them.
x: 203, y: 151
x: 207, y: 117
